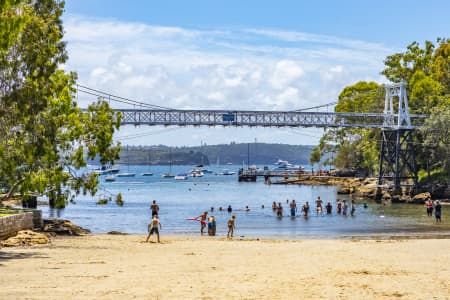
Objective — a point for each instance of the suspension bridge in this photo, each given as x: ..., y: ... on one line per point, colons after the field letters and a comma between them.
x: 397, y: 154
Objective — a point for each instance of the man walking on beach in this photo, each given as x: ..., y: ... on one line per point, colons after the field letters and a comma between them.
x: 153, y: 227
x: 155, y: 208
x: 231, y: 226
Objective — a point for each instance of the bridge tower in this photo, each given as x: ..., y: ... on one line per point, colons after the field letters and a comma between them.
x: 397, y: 160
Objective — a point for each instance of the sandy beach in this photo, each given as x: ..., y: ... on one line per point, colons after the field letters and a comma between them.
x: 124, y: 267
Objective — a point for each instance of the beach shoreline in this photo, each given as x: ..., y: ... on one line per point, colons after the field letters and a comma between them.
x: 102, y: 266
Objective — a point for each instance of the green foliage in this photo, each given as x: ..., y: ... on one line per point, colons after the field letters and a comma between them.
x: 102, y: 201
x: 437, y: 139
x: 119, y: 200
x: 427, y: 72
x: 44, y: 135
x: 315, y: 156
x: 436, y: 175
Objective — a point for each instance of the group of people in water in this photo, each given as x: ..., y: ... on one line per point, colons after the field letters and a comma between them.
x: 212, y: 224
x: 436, y: 206
x: 342, y: 207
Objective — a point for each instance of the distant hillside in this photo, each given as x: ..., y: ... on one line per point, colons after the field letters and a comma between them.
x: 256, y: 153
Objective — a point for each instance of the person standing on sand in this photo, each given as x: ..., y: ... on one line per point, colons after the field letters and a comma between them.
x: 153, y: 227
x: 231, y: 226
x: 437, y: 211
x: 202, y: 221
x: 155, y: 208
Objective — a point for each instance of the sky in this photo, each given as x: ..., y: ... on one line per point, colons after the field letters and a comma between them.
x: 240, y: 55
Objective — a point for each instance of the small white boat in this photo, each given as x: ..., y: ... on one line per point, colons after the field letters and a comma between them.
x: 181, y: 176
x: 110, y: 178
x: 167, y: 175
x: 227, y: 172
x: 126, y: 175
x: 196, y: 173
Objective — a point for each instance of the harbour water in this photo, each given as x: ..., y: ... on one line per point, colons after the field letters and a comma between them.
x: 179, y: 200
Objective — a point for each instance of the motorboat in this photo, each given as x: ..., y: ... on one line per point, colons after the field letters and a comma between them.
x: 181, y: 176
x: 147, y: 174
x: 227, y: 172
x: 110, y: 178
x: 285, y: 165
x: 196, y: 173
x: 167, y: 175
x: 106, y: 170
x: 126, y: 174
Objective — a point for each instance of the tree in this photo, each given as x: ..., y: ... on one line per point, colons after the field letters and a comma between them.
x: 437, y: 139
x: 45, y: 137
x: 315, y: 157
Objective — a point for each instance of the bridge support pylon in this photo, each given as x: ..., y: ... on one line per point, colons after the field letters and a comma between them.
x: 397, y: 159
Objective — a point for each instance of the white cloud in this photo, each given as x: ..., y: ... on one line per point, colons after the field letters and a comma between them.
x: 286, y: 71
x: 235, y: 69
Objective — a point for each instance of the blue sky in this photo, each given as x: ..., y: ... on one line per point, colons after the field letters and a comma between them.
x: 277, y: 55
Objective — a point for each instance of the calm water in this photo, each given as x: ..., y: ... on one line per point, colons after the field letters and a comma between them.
x: 179, y: 200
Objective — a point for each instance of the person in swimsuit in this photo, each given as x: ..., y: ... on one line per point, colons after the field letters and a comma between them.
x: 437, y: 211
x: 305, y: 209
x: 429, y: 207
x: 229, y: 209
x: 202, y: 221
x: 231, y: 226
x: 293, y: 207
x: 344, y: 208
x: 339, y: 206
x: 211, y: 226
x: 279, y: 210
x: 352, y: 208
x: 274, y: 206
x: 155, y: 208
x: 329, y: 208
x: 153, y: 227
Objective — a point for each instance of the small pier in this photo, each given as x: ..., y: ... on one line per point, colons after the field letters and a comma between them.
x: 251, y: 175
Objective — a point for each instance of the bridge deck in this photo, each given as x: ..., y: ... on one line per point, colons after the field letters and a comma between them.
x: 257, y: 118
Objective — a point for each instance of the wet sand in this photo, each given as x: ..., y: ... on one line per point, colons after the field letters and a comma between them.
x: 123, y: 267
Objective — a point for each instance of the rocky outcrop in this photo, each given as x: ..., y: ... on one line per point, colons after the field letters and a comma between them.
x: 63, y: 227
x: 26, y: 238
x: 421, y: 198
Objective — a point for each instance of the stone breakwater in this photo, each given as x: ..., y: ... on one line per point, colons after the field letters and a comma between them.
x: 11, y: 225
x: 364, y: 188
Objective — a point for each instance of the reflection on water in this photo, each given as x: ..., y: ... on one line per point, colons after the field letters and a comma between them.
x: 179, y: 200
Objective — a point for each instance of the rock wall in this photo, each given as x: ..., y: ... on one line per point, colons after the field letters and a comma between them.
x: 11, y: 225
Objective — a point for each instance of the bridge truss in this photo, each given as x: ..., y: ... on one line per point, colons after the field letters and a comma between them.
x: 258, y: 118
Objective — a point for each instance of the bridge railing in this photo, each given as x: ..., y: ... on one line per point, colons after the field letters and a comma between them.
x: 258, y: 118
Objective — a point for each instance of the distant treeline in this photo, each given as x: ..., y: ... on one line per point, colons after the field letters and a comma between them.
x: 253, y: 153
